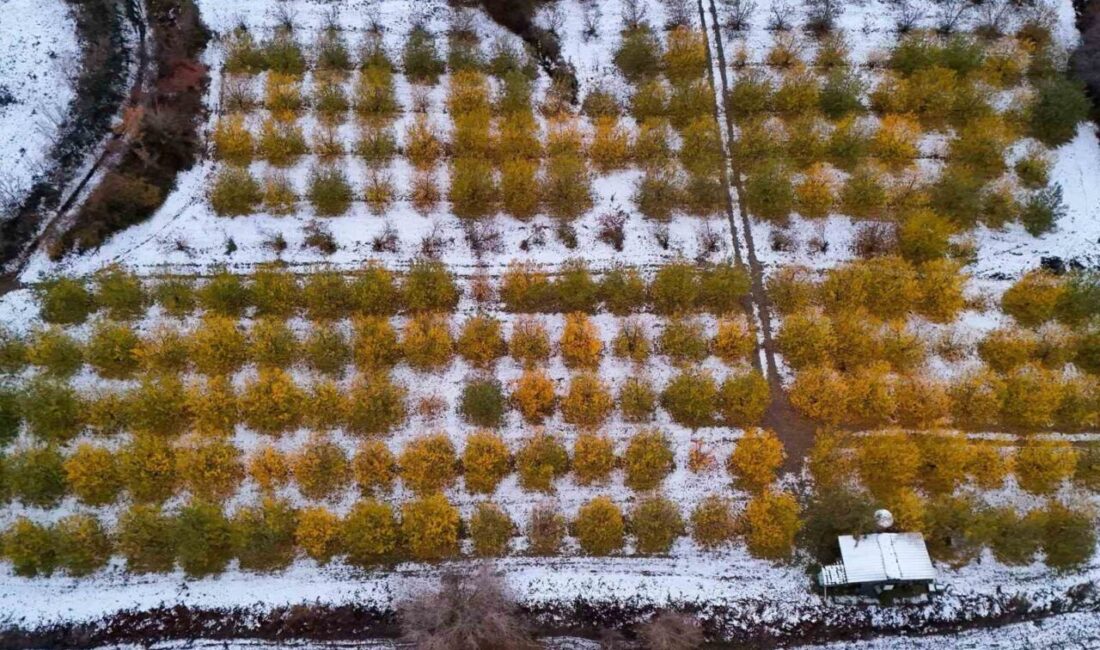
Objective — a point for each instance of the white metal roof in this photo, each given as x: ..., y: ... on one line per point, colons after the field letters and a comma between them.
x: 885, y: 556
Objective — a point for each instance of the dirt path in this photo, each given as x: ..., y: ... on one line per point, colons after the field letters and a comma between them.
x: 796, y: 432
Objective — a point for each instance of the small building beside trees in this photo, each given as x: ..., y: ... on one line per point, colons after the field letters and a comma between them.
x: 881, y: 562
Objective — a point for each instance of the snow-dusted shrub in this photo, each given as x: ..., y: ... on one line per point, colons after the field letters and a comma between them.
x: 36, y: 476
x: 320, y: 467
x: 580, y: 343
x: 377, y: 145
x: 429, y: 286
x: 429, y: 528
x: 637, y: 400
x: 530, y: 342
x: 428, y: 464
x: 546, y: 527
x: 1030, y: 398
x: 721, y: 288
x: 326, y: 296
x: 148, y: 467
x: 426, y: 342
x: 815, y: 194
x: 743, y: 398
x: 482, y: 402
x: 652, y: 148
x: 83, y: 545
x: 888, y: 461
x: 593, y: 458
x: 540, y: 460
x: 212, y: 405
x: 272, y: 403
x: 533, y: 396
x: 684, y: 341
x: 375, y: 345
x: 485, y: 461
x: 326, y: 350
x: 1033, y: 170
x: 55, y: 352
x: 675, y: 288
x: 30, y: 547
x: 734, y: 339
x: 1034, y: 298
x: 713, y: 523
x: 566, y: 188
x: 1007, y: 348
x: 269, y: 468
x: 274, y: 291
x: 526, y: 288
x: 376, y: 405
x: 490, y: 529
x: 272, y: 343
x: 243, y: 54
x: 13, y: 352
x: 224, y: 294
x: 204, y: 539
x: 1043, y: 465
x: 1069, y: 536
x: 481, y: 341
x: 374, y: 93
x: 600, y: 527
x: 329, y: 191
x: 423, y: 146
x: 655, y: 522
x: 374, y: 468
x: 806, y: 339
x: 468, y: 92
x: 120, y: 293
x: 770, y: 521
x: 922, y: 401
x: 519, y: 188
x: 92, y: 474
x: 65, y: 301
x: 210, y: 470
x: 658, y: 194
x: 52, y: 411
x: 944, y: 460
x: 264, y: 535
x: 143, y: 536
x: 1058, y: 106
x: 318, y: 533
x: 370, y: 534
x: 283, y: 96
x: 610, y: 148
x: 649, y: 101
x: 821, y: 393
x: 648, y: 459
x: 631, y: 342
x: 281, y: 143
x: 472, y: 141
x: 769, y: 193
x: 790, y: 288
x: 639, y: 54
x: 420, y: 59
x: 690, y: 398
x: 111, y: 350
x: 986, y: 466
x: 576, y: 290
x: 473, y: 192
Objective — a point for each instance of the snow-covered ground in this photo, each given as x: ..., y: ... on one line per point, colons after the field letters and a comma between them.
x: 38, y: 58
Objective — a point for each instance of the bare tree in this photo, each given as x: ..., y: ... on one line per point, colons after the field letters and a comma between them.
x: 635, y: 13
x: 468, y: 612
x: 907, y: 13
x: 592, y: 16
x: 678, y: 13
x: 993, y: 14
x: 737, y: 14
x: 671, y: 631
x: 821, y: 15
x: 780, y: 19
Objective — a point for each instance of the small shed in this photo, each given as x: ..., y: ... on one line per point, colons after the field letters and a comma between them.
x: 878, y: 562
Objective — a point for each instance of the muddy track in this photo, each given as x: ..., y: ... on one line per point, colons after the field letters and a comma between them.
x: 796, y: 431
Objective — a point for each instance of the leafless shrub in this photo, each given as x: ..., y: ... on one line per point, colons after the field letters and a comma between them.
x: 950, y: 13
x: 671, y: 631
x: 552, y: 18
x: 386, y: 241
x: 612, y: 229
x: 992, y: 17
x: 781, y: 241
x: 592, y: 16
x: 421, y: 99
x: 468, y: 612
x: 276, y: 243
x: 737, y: 14
x: 238, y: 94
x: 709, y: 239
x: 875, y: 239
x: 817, y: 245
x: 663, y: 236
x: 537, y: 238
x: 678, y: 13
x: 821, y: 15
x: 484, y: 237
x: 780, y: 18
x: 567, y: 235
x: 285, y: 17
x: 330, y: 19
x: 635, y: 13
x: 318, y: 236
x: 907, y: 14
x: 433, y: 244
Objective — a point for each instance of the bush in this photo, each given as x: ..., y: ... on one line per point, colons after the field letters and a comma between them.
x: 11, y: 417
x: 806, y: 339
x: 1069, y: 536
x: 376, y: 405
x: 329, y: 191
x: 734, y: 339
x: 326, y: 351
x: 377, y: 145
x: 148, y: 467
x: 600, y: 527
x: 580, y: 343
x: 209, y: 469
x: 651, y: 145
x: 1033, y: 170
x: 1059, y: 105
x: 755, y: 460
x: 320, y: 468
x: 610, y: 148
x: 420, y: 59
x: 771, y: 522
x: 427, y: 342
x: 65, y: 301
x: 163, y: 351
x: 566, y: 190
x: 428, y: 464
x: 638, y: 56
x: 790, y: 288
x: 530, y: 342
x: 55, y: 352
x: 658, y: 194
x: 1042, y: 209
x: 485, y: 462
x: 111, y: 350
x: 1042, y: 465
x: 533, y: 396
x: 430, y: 527
x: 656, y: 523
x: 13, y: 352
x: 481, y: 342
x: 224, y: 294
x: 31, y: 548
x: 721, y: 288
x: 1005, y: 349
x: 545, y: 530
x: 768, y: 192
x: 120, y: 293
x: 326, y: 296
x: 684, y: 341
x: 540, y: 460
x: 1033, y: 299
x: 690, y: 398
x: 264, y: 535
x: 235, y: 193
x: 637, y: 400
x: 491, y: 530
x: 482, y: 402
x: 213, y: 406
x: 36, y: 476
x: 713, y: 524
x: 374, y: 94
x: 273, y: 344
x: 83, y: 546
x: 675, y: 288
x: 374, y: 468
x: 987, y: 466
x: 519, y: 188
x: 1030, y: 398
x: 375, y: 346
x: 423, y: 147
x: 370, y: 534
x: 941, y: 289
x: 144, y: 537
x: 92, y: 474
x: 429, y: 286
x: 53, y: 412
x: 473, y: 193
x: 820, y: 393
x: 701, y: 150
x: 272, y: 403
x: 218, y: 346
x: 588, y: 402
x: 888, y: 462
x: 205, y: 539
x: 318, y: 533
x: 269, y: 468
x: 632, y: 342
x: 648, y: 459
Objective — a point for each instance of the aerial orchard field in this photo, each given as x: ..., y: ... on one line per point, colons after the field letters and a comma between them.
x: 655, y: 328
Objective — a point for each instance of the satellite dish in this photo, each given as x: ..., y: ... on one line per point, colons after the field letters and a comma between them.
x: 884, y: 519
